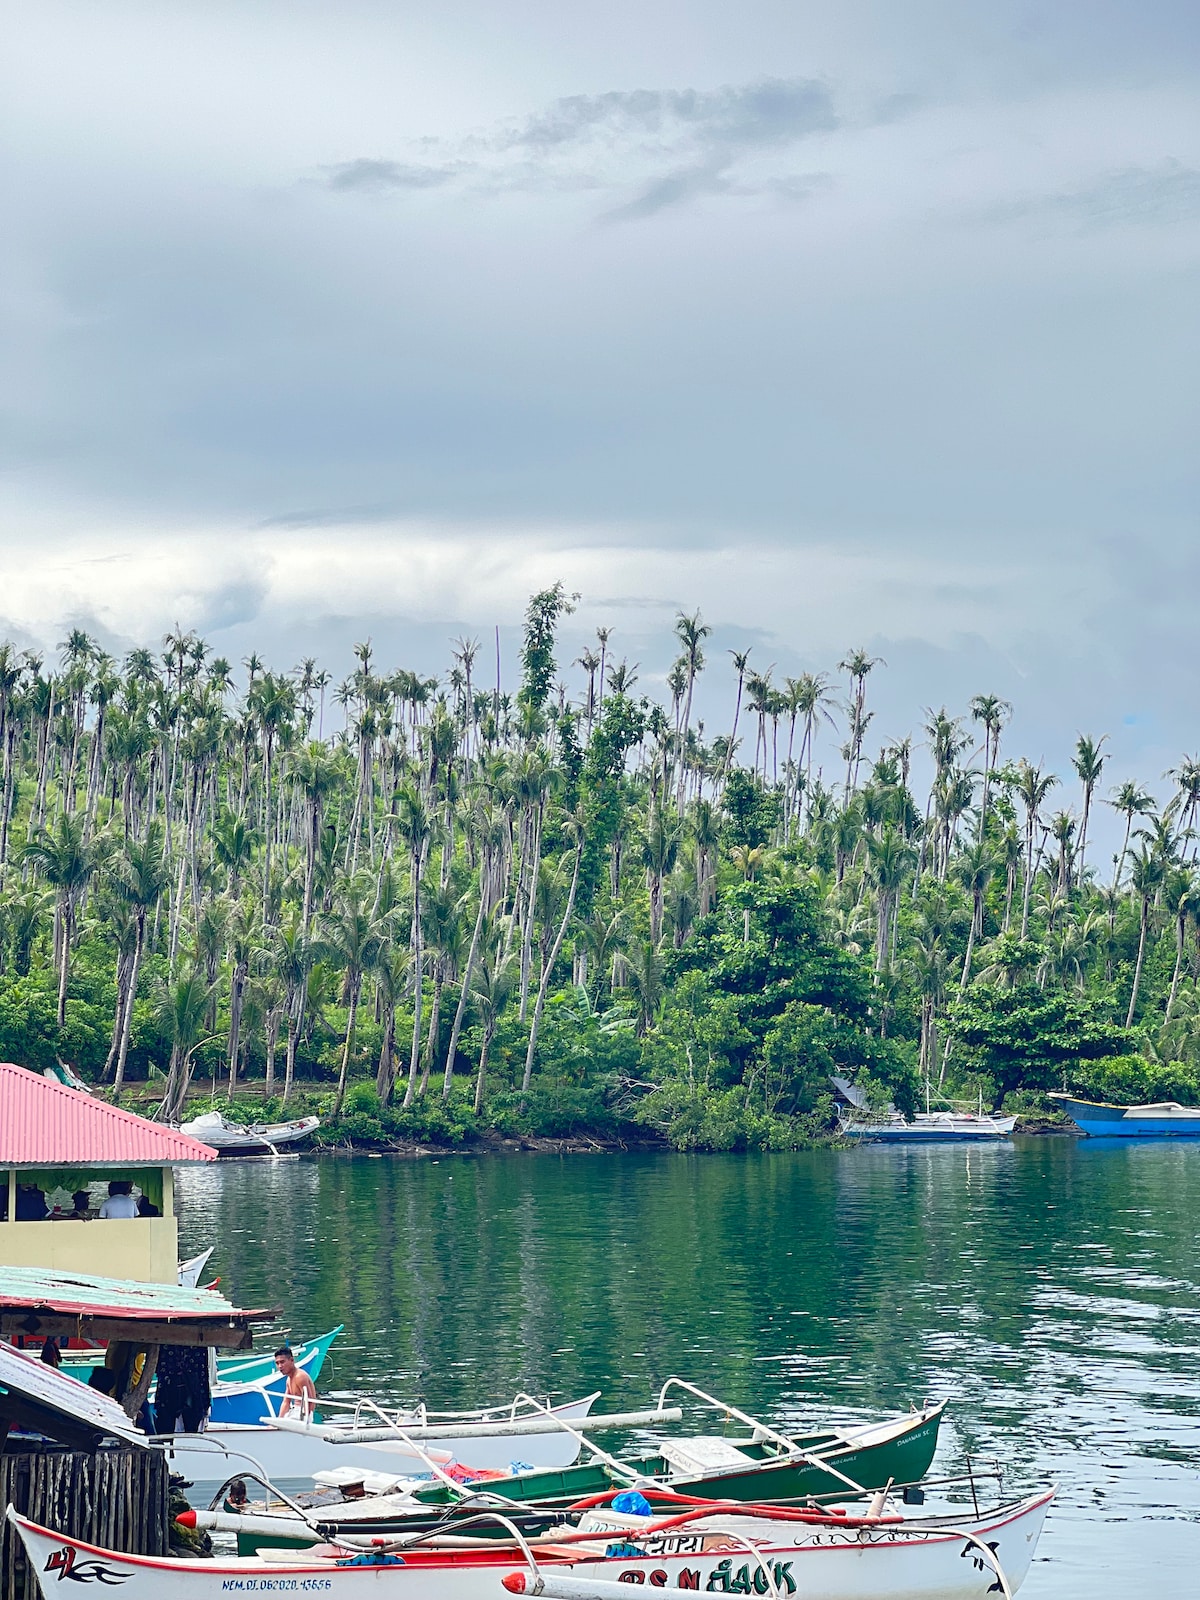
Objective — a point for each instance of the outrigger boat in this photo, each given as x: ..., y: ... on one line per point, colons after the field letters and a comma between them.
x: 930, y: 1127
x: 292, y: 1448
x: 857, y: 1121
x: 234, y: 1139
x: 709, y: 1548
x: 834, y: 1463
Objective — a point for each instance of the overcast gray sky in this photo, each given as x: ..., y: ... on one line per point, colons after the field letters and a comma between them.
x: 846, y: 322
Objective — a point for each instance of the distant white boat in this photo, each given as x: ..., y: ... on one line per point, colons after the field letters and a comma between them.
x: 260, y: 1138
x: 930, y: 1127
x: 857, y: 1121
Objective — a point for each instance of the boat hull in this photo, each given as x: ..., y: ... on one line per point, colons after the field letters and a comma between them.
x: 289, y: 1455
x: 888, y: 1561
x: 1131, y: 1122
x: 229, y: 1140
x: 989, y: 1131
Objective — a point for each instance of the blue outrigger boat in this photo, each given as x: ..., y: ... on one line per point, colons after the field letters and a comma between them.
x: 1165, y: 1120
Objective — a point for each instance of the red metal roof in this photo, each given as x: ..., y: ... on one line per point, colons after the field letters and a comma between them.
x: 43, y: 1124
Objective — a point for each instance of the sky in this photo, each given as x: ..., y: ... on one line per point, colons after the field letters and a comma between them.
x: 847, y: 323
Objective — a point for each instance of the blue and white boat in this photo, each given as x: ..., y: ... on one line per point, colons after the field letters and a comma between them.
x: 1166, y: 1119
x: 244, y: 1400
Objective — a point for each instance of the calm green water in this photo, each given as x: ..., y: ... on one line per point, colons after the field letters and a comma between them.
x: 1049, y: 1288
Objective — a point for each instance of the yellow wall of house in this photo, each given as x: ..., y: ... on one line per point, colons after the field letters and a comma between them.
x: 143, y: 1248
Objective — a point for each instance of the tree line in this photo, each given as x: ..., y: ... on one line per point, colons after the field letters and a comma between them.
x: 558, y: 909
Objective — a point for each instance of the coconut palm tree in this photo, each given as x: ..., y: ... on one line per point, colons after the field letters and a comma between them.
x: 140, y: 878
x: 291, y: 954
x: 183, y: 1004
x: 888, y: 859
x: 857, y: 664
x: 1146, y: 877
x: 415, y: 828
x: 1089, y: 765
x: 1032, y: 787
x: 352, y: 941
x: 660, y: 849
x: 68, y: 862
x: 492, y: 985
x: 1131, y: 801
x: 993, y: 713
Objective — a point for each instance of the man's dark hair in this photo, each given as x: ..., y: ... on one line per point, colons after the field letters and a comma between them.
x: 285, y: 1350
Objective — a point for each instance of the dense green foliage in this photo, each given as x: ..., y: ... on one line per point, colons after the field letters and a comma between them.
x: 467, y: 913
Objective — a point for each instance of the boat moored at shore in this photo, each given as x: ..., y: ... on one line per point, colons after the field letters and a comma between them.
x: 1166, y: 1119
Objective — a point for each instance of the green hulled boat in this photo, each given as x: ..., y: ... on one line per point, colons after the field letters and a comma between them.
x: 831, y: 1465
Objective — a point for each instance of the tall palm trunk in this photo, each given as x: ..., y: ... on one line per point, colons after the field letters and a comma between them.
x: 1180, y: 935
x: 489, y: 1033
x: 547, y: 969
x: 348, y: 1045
x: 139, y: 946
x: 289, y: 1065
x: 237, y: 999
x: 385, y: 1074
x: 1143, y: 929
x: 414, y: 1056
x: 464, y: 992
x: 431, y: 1040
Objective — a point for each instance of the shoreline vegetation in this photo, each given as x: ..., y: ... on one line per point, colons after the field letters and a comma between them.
x: 466, y: 918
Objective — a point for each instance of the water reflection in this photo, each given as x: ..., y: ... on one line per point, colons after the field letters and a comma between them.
x: 1048, y: 1287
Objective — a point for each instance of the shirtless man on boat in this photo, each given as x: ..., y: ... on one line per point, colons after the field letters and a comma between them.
x: 300, y: 1391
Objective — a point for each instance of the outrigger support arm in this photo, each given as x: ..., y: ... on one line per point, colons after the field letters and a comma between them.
x: 762, y: 1429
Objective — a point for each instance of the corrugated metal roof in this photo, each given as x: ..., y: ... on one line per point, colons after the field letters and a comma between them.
x: 81, y: 1293
x: 31, y: 1377
x: 43, y: 1124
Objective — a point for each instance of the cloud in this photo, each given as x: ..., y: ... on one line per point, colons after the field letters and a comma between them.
x: 373, y: 176
x: 344, y: 516
x: 673, y: 189
x: 772, y: 111
x: 1160, y: 196
x: 668, y: 145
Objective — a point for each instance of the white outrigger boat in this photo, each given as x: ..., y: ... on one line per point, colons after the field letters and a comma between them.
x: 856, y: 1121
x: 258, y: 1139
x: 362, y: 1435
x: 712, y: 1549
